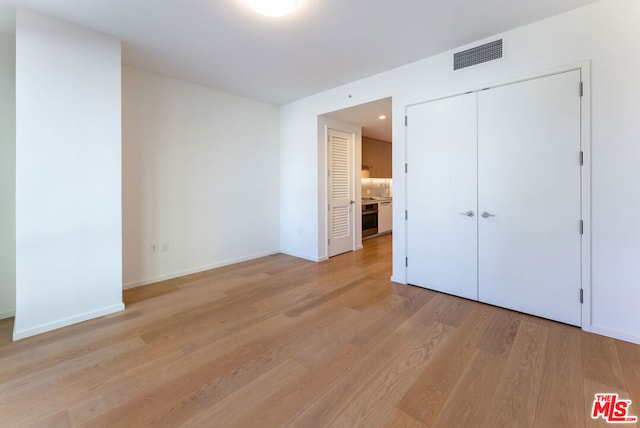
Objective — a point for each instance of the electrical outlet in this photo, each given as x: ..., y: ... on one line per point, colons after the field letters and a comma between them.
x: 165, y: 247
x: 154, y: 248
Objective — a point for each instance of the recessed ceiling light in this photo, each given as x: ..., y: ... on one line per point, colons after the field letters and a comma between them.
x: 382, y: 117
x: 274, y: 8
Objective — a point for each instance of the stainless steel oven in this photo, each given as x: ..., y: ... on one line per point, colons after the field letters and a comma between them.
x: 369, y: 219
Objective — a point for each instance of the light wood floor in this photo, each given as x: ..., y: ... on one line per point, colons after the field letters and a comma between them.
x: 282, y: 342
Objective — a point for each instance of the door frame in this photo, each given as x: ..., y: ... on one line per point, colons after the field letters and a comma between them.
x: 324, y: 124
x: 585, y: 142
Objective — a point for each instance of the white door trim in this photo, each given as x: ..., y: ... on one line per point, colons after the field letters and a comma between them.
x: 585, y: 142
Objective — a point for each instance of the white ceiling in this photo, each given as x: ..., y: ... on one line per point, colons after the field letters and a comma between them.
x: 368, y: 117
x: 326, y: 43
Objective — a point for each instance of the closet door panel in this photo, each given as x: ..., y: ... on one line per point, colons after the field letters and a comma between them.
x: 442, y: 195
x: 529, y: 187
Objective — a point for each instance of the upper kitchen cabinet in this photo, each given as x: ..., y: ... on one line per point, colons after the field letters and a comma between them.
x: 376, y: 158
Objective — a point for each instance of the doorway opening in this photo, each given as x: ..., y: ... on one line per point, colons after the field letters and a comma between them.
x: 369, y: 175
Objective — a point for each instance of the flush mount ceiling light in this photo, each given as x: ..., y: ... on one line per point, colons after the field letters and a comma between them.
x: 382, y: 117
x: 274, y: 8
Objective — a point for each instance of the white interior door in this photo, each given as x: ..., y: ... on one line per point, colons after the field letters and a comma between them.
x: 341, y: 192
x: 441, y: 184
x: 529, y: 184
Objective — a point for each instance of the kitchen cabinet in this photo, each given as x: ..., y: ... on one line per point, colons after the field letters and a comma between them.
x: 385, y: 218
x: 376, y: 157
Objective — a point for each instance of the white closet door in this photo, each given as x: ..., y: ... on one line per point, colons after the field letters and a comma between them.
x: 441, y: 184
x: 340, y: 186
x: 529, y: 182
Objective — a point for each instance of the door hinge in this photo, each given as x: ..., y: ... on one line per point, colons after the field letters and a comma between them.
x: 406, y: 261
x: 581, y: 158
x: 406, y: 121
x: 406, y: 168
x: 581, y: 227
x: 581, y: 89
x: 406, y: 214
x: 581, y: 295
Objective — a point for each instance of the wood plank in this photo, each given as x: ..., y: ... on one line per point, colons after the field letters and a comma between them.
x: 225, y: 412
x: 6, y: 332
x: 329, y: 366
x: 311, y: 344
x: 431, y: 388
x: 514, y: 403
x: 399, y: 419
x: 468, y: 403
x: 600, y: 362
x: 87, y: 410
x: 558, y: 405
x: 328, y: 406
x: 406, y: 302
x: 376, y: 401
x: 603, y: 372
x: 51, y: 382
x: 499, y: 337
x: 629, y: 355
x: 56, y: 420
x: 209, y: 381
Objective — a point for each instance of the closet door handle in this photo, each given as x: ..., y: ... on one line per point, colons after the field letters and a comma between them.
x: 487, y: 215
x: 468, y: 213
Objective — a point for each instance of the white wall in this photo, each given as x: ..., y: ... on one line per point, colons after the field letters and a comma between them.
x: 604, y: 33
x: 68, y: 175
x: 7, y: 177
x: 200, y: 174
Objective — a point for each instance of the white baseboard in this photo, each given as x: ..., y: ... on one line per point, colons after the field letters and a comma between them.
x: 616, y: 334
x: 398, y: 280
x: 43, y: 328
x: 158, y: 278
x: 7, y: 314
x: 303, y: 256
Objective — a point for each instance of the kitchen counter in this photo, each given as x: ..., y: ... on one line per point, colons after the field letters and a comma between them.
x: 370, y: 200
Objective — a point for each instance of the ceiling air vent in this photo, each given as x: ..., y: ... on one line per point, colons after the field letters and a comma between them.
x: 478, y: 55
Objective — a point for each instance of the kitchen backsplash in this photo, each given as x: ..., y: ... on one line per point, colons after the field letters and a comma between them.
x: 377, y: 187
